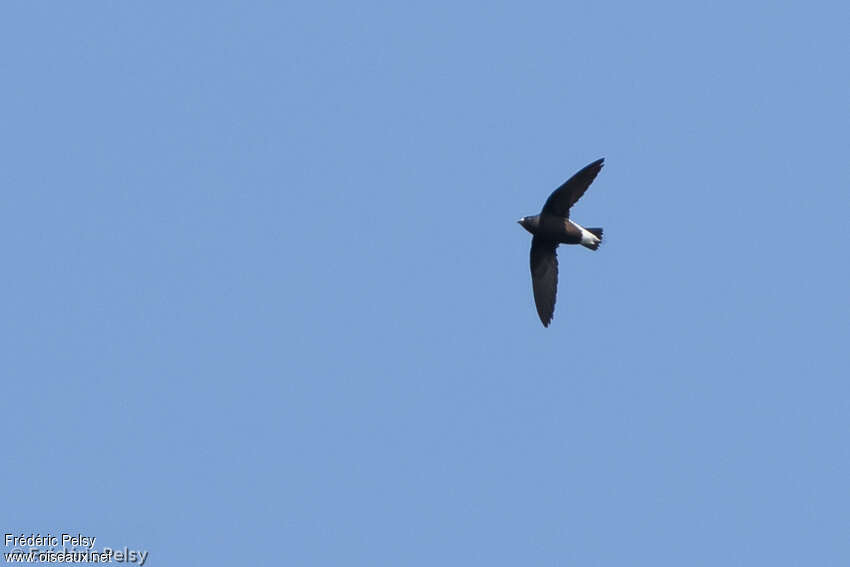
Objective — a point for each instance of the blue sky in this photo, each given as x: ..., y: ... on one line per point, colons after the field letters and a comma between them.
x: 266, y: 301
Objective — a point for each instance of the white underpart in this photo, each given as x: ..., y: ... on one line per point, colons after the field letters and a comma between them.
x: 587, y: 237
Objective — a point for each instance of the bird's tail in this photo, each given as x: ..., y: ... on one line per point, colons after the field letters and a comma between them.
x: 593, y: 244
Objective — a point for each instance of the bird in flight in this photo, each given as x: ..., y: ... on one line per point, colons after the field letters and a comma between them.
x: 552, y: 227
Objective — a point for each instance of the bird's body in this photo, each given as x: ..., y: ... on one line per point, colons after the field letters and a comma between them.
x: 561, y: 230
x: 553, y: 227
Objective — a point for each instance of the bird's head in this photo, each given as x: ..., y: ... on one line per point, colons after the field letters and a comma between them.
x: 529, y: 223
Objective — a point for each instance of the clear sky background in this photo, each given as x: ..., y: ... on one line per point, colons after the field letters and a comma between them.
x: 265, y: 300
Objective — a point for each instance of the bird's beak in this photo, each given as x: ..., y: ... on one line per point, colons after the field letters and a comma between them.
x: 519, y: 221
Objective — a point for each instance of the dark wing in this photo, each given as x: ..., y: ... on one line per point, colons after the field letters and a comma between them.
x: 565, y: 196
x: 544, y: 277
